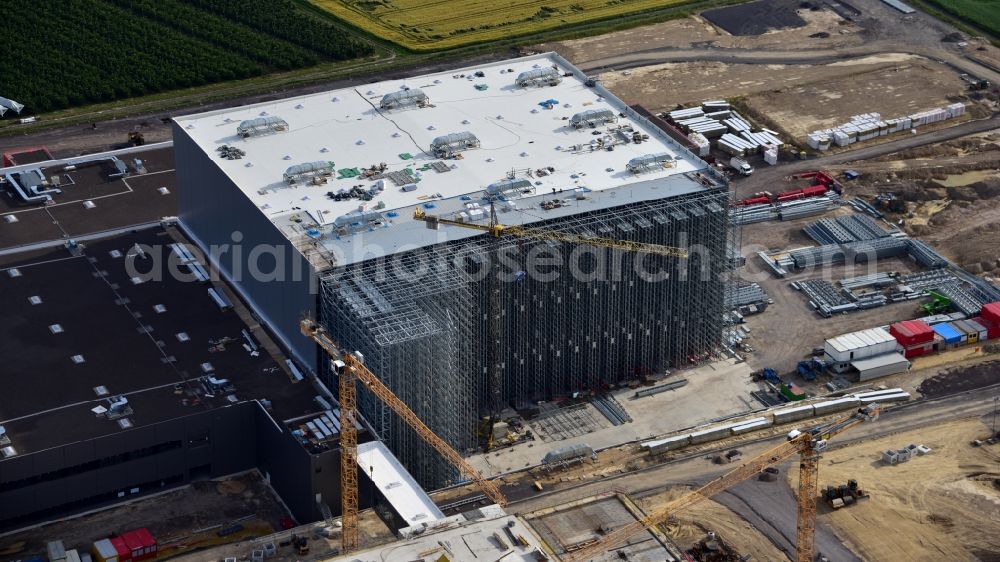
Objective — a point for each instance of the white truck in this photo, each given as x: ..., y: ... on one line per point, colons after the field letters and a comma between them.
x: 741, y: 166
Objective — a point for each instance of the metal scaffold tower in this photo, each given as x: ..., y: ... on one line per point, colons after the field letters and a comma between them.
x: 423, y: 323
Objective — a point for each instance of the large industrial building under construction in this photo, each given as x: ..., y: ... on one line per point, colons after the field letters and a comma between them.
x: 321, y: 192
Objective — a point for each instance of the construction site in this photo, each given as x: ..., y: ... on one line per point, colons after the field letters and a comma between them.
x: 721, y: 288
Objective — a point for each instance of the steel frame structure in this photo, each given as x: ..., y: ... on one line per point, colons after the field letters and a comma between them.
x: 420, y: 318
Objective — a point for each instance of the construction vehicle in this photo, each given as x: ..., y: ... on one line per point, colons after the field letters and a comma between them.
x: 975, y: 82
x: 939, y: 303
x: 350, y: 370
x: 810, y: 368
x: 845, y: 494
x: 498, y: 230
x: 808, y: 444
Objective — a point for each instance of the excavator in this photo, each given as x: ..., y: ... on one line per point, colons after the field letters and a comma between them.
x: 808, y: 444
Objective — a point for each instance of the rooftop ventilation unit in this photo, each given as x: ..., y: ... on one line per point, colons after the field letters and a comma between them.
x: 307, y: 170
x: 357, y: 220
x: 404, y: 98
x: 506, y: 186
x: 447, y: 145
x: 538, y: 77
x: 648, y: 162
x: 261, y: 126
x: 593, y: 118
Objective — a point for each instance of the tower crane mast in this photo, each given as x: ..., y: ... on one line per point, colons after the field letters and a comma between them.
x: 350, y: 374
x: 807, y: 444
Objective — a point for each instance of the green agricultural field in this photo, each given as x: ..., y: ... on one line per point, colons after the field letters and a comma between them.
x: 983, y: 14
x: 426, y: 25
x: 68, y: 53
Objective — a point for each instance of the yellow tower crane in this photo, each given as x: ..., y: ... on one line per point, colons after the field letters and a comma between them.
x: 807, y: 444
x: 352, y: 372
x: 498, y: 230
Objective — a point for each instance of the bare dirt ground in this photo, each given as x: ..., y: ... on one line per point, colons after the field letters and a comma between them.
x: 892, y: 85
x: 942, y: 506
x: 695, y: 522
x: 951, y: 192
x: 695, y: 31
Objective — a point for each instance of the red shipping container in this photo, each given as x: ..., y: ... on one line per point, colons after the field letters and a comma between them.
x: 910, y: 332
x: 148, y: 541
x: 991, y: 312
x: 124, y: 553
x: 918, y: 350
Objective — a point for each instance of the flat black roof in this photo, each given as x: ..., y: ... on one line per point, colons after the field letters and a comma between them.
x: 127, y: 345
x: 117, y: 202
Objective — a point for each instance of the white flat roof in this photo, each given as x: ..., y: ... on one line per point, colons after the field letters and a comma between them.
x: 396, y: 484
x: 879, y: 361
x: 518, y: 137
x: 860, y: 339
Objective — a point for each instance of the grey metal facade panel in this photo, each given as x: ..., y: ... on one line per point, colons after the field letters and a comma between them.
x: 211, y: 209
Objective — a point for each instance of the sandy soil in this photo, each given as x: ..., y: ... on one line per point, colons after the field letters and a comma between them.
x: 697, y: 521
x: 696, y: 32
x: 891, y: 84
x: 942, y: 506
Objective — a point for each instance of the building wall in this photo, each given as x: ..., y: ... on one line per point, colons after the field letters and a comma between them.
x: 428, y: 337
x: 215, y: 213
x: 101, y: 471
x: 91, y: 474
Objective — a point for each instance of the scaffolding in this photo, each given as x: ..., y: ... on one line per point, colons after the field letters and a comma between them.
x: 420, y: 318
x: 261, y: 126
x: 538, y: 77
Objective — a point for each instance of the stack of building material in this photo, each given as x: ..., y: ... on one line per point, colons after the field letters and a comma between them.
x: 741, y: 294
x: 961, y: 299
x: 841, y: 230
x: 799, y: 208
x: 700, y: 141
x: 689, y: 113
x: 736, y: 125
x: 715, y: 105
x: 867, y: 126
x: 737, y: 146
x: 749, y: 214
x: 771, y: 155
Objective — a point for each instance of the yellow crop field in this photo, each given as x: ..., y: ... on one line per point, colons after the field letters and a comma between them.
x: 427, y: 25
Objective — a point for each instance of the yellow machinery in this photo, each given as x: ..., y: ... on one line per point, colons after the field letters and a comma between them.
x: 498, y: 230
x: 352, y: 372
x: 807, y: 444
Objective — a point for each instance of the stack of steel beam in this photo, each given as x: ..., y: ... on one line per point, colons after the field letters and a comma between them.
x: 753, y: 213
x: 961, y: 298
x: 924, y: 255
x: 805, y: 207
x: 876, y: 279
x: 740, y: 295
x: 925, y: 280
